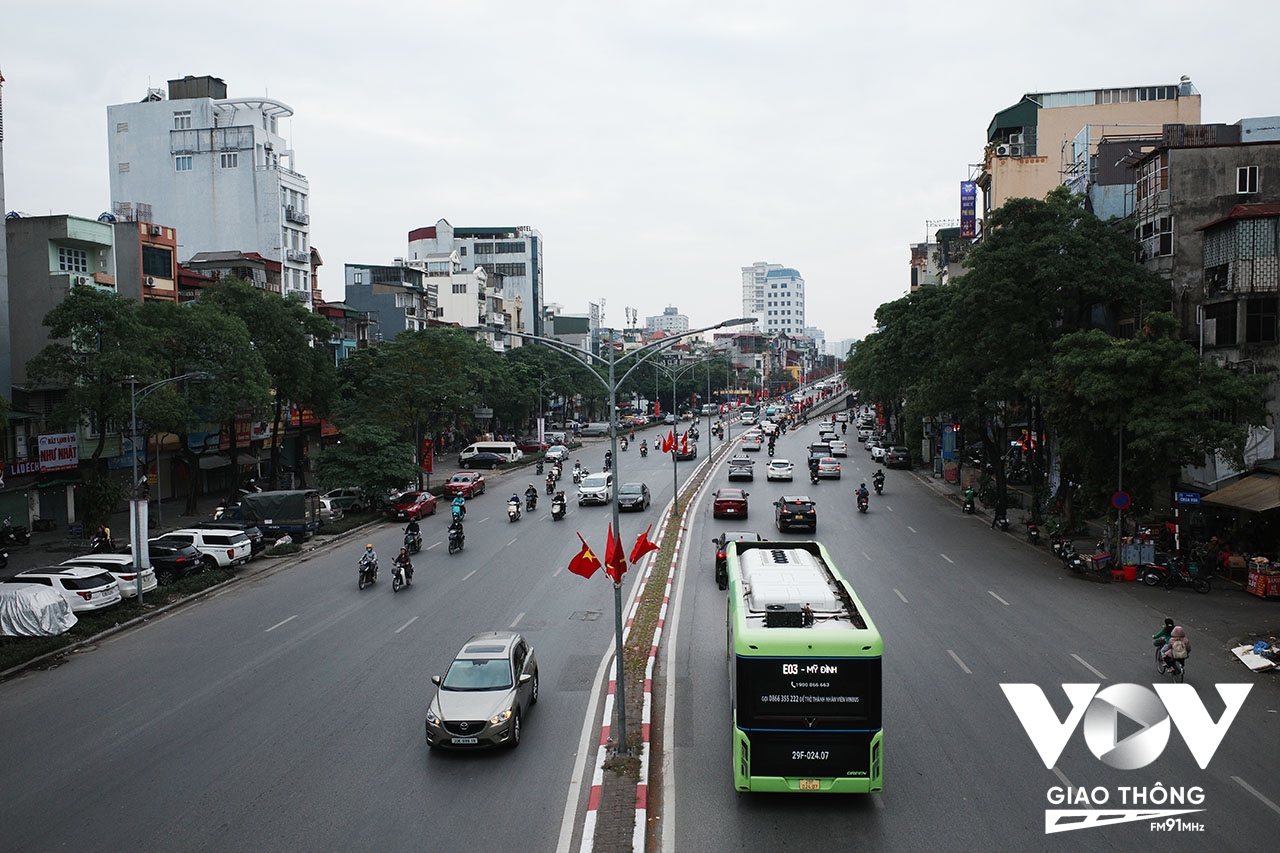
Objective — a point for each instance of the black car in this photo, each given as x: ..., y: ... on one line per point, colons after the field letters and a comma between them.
x: 898, y: 457
x: 741, y: 468
x: 790, y: 511
x: 722, y: 559
x: 172, y: 561
x: 257, y: 541
x: 484, y: 460
x: 633, y: 496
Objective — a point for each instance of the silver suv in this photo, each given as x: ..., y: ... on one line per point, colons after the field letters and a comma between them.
x: 596, y: 489
x: 482, y: 699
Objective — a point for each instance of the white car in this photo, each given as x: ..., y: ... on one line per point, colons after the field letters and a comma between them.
x: 749, y: 419
x: 221, y: 548
x: 85, y: 588
x: 596, y: 488
x: 769, y: 428
x: 842, y: 417
x: 779, y: 469
x: 752, y: 441
x: 838, y: 447
x: 330, y: 511
x: 878, y: 453
x: 120, y: 567
x: 864, y: 433
x: 558, y: 453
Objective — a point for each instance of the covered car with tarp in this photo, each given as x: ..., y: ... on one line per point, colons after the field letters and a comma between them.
x: 33, y: 610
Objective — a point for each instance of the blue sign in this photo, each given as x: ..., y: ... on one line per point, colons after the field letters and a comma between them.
x: 1120, y: 500
x: 1187, y: 497
x: 968, y: 208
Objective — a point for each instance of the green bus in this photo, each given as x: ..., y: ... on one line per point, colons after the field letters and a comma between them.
x: 804, y: 673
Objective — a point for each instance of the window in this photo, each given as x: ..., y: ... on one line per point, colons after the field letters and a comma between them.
x: 1260, y: 320
x: 509, y: 269
x: 357, y: 277
x: 157, y: 261
x: 484, y: 248
x: 182, y: 120
x: 122, y: 127
x: 72, y: 260
x: 462, y: 251
x: 509, y: 248
x: 1247, y: 179
x: 229, y: 159
x: 460, y: 286
x: 182, y: 163
x: 123, y: 167
x: 1220, y: 324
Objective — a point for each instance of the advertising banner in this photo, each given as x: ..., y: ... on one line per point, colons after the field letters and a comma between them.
x: 968, y: 208
x: 59, y: 451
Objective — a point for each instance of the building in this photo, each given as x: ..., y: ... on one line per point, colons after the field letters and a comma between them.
x: 146, y: 263
x: 774, y: 296
x: 6, y: 368
x: 819, y: 339
x: 216, y: 169
x: 396, y: 298
x: 924, y: 266
x: 670, y: 320
x: 351, y: 329
x: 250, y: 267
x: 1034, y: 145
x: 512, y: 253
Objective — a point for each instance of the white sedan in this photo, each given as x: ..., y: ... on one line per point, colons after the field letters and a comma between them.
x: 120, y: 567
x: 838, y: 447
x: 779, y: 469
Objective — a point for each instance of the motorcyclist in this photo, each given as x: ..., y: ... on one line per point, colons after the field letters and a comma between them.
x: 862, y: 493
x: 877, y: 479
x: 844, y: 427
x: 558, y: 501
x: 551, y: 483
x: 414, y: 530
x: 459, y: 506
x: 969, y: 495
x: 538, y: 467
x: 456, y: 531
x: 644, y: 447
x: 369, y: 557
x: 531, y: 496
x: 402, y: 561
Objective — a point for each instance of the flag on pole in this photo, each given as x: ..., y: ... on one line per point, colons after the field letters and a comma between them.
x: 585, y: 564
x: 669, y: 442
x: 615, y: 562
x: 643, y: 545
x: 684, y: 442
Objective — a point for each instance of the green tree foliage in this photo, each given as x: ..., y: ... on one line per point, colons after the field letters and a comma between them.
x: 368, y: 456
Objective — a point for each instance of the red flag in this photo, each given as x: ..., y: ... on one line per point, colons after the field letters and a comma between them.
x: 669, y: 442
x: 643, y: 545
x: 684, y: 442
x: 585, y: 563
x: 615, y: 562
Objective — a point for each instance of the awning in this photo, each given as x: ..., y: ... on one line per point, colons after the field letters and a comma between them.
x: 213, y: 460
x: 1255, y: 493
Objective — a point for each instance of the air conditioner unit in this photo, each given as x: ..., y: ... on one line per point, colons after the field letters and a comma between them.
x: 1015, y: 150
x: 156, y: 231
x: 81, y: 279
x: 1002, y: 150
x: 150, y: 281
x: 1015, y: 138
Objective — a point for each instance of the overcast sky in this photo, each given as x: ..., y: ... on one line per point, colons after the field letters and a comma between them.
x: 658, y: 147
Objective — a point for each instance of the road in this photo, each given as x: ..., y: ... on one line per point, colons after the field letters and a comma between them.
x: 962, y: 608
x: 287, y: 711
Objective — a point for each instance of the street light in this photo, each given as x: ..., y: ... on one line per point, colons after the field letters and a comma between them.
x: 674, y: 374
x: 135, y: 525
x: 641, y: 354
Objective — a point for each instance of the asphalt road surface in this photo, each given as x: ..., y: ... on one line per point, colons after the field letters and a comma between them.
x: 962, y: 609
x: 287, y: 711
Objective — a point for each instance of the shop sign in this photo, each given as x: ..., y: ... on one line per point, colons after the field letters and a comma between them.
x: 17, y: 469
x: 59, y: 451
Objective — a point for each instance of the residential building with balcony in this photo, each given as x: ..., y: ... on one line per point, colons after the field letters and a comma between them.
x: 249, y: 267
x: 216, y: 169
x: 395, y: 297
x: 351, y: 329
x: 146, y: 261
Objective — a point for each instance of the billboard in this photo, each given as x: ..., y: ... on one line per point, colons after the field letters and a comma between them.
x: 968, y: 208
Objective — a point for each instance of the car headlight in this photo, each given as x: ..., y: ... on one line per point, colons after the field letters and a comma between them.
x: 432, y: 718
x: 500, y: 718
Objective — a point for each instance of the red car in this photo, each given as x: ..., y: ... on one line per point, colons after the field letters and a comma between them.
x: 468, y: 484
x: 531, y: 446
x: 729, y: 503
x: 413, y: 505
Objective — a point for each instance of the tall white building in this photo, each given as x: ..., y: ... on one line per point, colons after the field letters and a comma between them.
x: 217, y: 170
x: 511, y: 255
x: 774, y: 296
x: 670, y: 320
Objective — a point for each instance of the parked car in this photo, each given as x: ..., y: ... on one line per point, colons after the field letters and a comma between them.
x: 668, y: 419
x: 790, y: 511
x: 120, y: 567
x: 838, y: 447
x: 257, y: 540
x: 594, y: 429
x: 173, y: 561
x: 898, y: 457
x: 741, y: 468
x: 531, y: 445
x: 468, y: 484
x: 413, y: 505
x: 35, y: 610
x: 722, y: 557
x: 595, y: 489
x: 348, y: 500
x: 729, y: 503
x: 86, y: 588
x: 829, y: 468
x: 633, y: 496
x: 329, y: 511
x: 219, y: 548
x: 864, y: 432
x: 484, y: 460
x: 779, y: 469
x: 483, y: 697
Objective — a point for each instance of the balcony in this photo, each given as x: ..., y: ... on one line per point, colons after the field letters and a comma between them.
x: 298, y: 256
x: 293, y: 215
x: 496, y: 319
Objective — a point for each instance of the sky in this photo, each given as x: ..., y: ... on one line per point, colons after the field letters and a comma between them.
x: 659, y: 147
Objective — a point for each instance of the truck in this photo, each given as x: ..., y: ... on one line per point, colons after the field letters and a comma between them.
x: 295, y: 512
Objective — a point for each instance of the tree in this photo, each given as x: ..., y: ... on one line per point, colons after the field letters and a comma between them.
x: 368, y: 456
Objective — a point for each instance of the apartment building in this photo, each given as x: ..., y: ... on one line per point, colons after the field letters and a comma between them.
x: 670, y: 320
x: 774, y: 295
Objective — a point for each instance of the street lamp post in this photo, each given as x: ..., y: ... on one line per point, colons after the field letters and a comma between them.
x: 675, y: 477
x: 642, y: 354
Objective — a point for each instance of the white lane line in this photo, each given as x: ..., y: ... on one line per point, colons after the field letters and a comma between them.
x: 516, y: 621
x: 557, y: 572
x: 437, y: 545
x: 224, y: 592
x: 865, y: 554
x: 900, y: 595
x: 1062, y: 777
x: 1256, y: 793
x: 1086, y: 665
x: 483, y: 520
x: 278, y: 624
x: 886, y: 506
x: 948, y: 559
x: 468, y: 574
x: 407, y: 624
x: 912, y: 529
x: 509, y: 544
x: 997, y: 598
x: 955, y: 657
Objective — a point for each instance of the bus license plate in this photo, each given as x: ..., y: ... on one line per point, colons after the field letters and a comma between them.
x: 464, y: 740
x: 809, y: 785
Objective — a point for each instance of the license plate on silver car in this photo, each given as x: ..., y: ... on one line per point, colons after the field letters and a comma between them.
x: 464, y: 740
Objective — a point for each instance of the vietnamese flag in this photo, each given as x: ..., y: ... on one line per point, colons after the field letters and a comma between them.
x: 684, y: 442
x: 615, y: 562
x: 669, y: 442
x: 585, y: 564
x: 643, y: 545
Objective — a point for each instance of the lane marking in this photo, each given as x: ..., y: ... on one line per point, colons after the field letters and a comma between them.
x: 407, y: 624
x: 997, y: 598
x: 468, y: 574
x: 1086, y: 665
x: 865, y: 554
x: 509, y: 544
x: 900, y: 595
x: 912, y: 529
x: 1256, y: 793
x: 557, y: 572
x: 886, y: 506
x: 1062, y: 777
x: 483, y: 520
x: 437, y: 545
x: 516, y: 621
x: 278, y: 624
x: 948, y: 559
x: 224, y: 592
x: 955, y: 657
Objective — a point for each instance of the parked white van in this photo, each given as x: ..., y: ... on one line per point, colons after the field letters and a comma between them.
x: 506, y: 449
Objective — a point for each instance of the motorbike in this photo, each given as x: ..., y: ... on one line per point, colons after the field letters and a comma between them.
x: 457, y: 538
x: 878, y: 484
x: 19, y: 535
x: 557, y: 509
x: 551, y: 485
x: 813, y: 476
x: 862, y: 503
x: 368, y: 572
x: 399, y: 576
x: 412, y: 542
x: 1181, y: 576
x: 555, y: 472
x: 968, y: 505
x: 102, y: 545
x: 459, y: 512
x: 1002, y: 522
x: 623, y: 444
x: 1058, y: 544
x: 538, y: 467
x: 530, y: 501
x: 644, y: 450
x: 577, y: 476
x: 1033, y: 533
x: 513, y: 510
